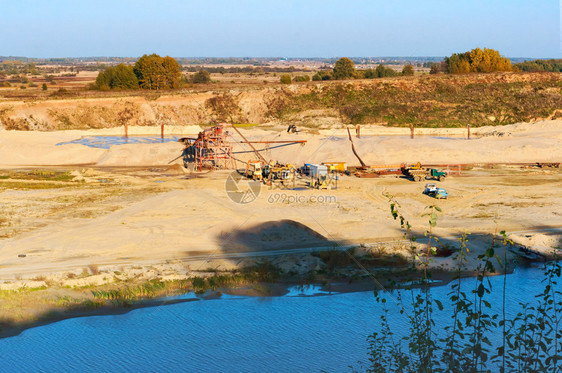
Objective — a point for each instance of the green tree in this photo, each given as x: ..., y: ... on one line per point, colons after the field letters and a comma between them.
x: 344, y: 69
x: 539, y: 65
x: 123, y: 77
x: 117, y: 77
x: 104, y: 78
x: 408, y: 70
x: 44, y: 86
x: 286, y: 79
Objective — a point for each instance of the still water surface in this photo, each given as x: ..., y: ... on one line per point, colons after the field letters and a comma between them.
x: 310, y: 331
x: 106, y: 142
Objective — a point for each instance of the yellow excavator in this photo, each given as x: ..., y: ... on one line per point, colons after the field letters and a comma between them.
x: 281, y: 172
x: 254, y: 170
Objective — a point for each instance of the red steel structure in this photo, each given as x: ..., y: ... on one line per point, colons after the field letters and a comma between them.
x: 212, y: 149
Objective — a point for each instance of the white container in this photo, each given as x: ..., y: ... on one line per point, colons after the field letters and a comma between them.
x: 318, y: 170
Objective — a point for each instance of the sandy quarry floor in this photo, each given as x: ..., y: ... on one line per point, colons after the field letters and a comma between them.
x: 537, y: 142
x: 156, y: 217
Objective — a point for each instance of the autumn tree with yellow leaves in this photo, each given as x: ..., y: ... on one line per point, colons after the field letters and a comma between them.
x: 477, y: 61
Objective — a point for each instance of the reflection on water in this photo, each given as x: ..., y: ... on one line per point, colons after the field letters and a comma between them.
x: 105, y: 142
x: 306, y: 291
x: 296, y: 332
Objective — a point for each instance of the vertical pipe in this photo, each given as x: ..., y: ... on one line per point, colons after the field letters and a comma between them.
x: 468, y: 131
x: 126, y: 130
x: 162, y: 131
x: 358, y: 130
x: 412, y: 131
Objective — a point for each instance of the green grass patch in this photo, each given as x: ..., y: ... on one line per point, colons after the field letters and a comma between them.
x: 130, y: 294
x: 46, y: 175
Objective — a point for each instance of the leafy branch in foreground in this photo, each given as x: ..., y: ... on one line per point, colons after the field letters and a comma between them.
x: 478, y: 338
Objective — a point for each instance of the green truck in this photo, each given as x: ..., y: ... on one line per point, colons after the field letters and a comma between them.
x: 419, y: 174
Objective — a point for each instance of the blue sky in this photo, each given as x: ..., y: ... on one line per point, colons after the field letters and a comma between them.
x: 290, y: 28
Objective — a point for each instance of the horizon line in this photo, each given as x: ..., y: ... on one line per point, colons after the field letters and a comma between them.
x: 262, y: 58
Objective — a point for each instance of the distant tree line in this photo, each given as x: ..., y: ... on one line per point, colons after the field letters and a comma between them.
x: 18, y: 67
x: 243, y: 69
x: 540, y: 65
x: 344, y: 68
x: 149, y: 72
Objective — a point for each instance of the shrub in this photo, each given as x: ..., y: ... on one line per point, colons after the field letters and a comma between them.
x: 322, y: 75
x: 408, y: 70
x: 201, y: 77
x: 529, y: 341
x: 369, y: 74
x: 44, y: 86
x: 383, y: 72
x: 302, y: 78
x: 455, y: 103
x: 434, y: 68
x: 285, y: 79
x: 60, y: 92
x: 94, y: 269
x: 224, y: 107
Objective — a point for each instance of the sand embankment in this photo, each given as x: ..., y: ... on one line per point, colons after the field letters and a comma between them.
x: 517, y: 143
x: 29, y: 148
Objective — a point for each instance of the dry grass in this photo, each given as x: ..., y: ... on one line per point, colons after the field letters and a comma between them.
x: 22, y: 185
x: 440, y: 101
x: 94, y: 269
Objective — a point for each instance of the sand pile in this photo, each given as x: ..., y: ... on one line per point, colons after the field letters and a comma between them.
x: 273, y: 235
x: 548, y: 244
